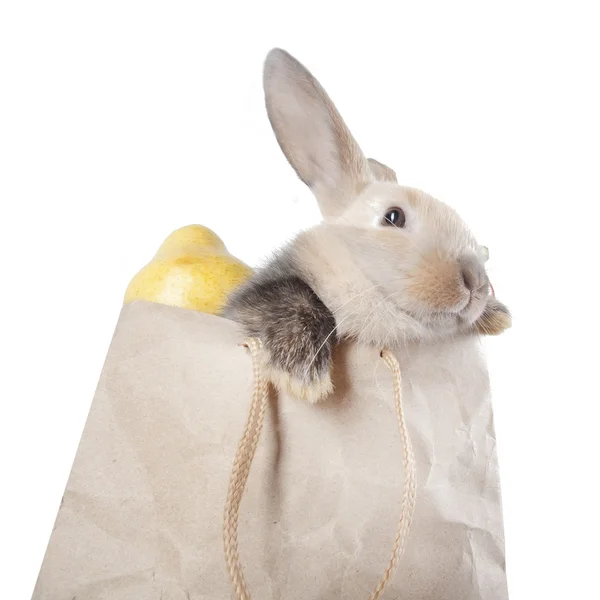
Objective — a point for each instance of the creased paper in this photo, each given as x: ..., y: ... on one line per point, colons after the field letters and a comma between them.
x: 141, y: 517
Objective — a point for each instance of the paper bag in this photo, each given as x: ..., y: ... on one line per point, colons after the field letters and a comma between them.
x: 142, y: 513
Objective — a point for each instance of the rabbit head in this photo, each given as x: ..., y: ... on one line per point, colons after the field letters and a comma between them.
x: 390, y: 262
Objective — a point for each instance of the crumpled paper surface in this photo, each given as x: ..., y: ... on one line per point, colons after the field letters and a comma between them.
x: 141, y: 517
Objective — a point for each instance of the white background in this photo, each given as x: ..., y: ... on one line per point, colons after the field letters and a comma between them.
x: 121, y: 121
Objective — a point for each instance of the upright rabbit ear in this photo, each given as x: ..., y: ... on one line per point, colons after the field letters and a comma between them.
x: 312, y: 134
x: 382, y: 172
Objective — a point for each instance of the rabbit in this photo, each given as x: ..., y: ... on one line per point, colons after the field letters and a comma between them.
x: 387, y: 265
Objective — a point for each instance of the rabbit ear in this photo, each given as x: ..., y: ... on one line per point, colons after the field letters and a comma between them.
x: 382, y: 172
x: 312, y: 134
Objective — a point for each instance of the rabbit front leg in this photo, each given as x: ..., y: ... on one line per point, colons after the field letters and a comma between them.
x: 297, y: 331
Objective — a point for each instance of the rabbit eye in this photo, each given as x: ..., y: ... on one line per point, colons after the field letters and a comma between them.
x: 394, y: 217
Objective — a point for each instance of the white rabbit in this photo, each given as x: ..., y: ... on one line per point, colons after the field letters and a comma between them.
x: 388, y: 264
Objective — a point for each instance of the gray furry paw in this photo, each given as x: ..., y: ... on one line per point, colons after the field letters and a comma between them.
x: 495, y: 319
x: 297, y: 331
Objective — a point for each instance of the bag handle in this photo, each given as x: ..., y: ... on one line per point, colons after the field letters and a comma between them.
x: 245, y: 454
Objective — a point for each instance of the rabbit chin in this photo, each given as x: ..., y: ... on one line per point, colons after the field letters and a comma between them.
x: 431, y: 323
x: 391, y: 324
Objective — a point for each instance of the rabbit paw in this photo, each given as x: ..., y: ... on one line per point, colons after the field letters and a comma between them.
x: 297, y: 330
x: 494, y: 320
x: 313, y: 389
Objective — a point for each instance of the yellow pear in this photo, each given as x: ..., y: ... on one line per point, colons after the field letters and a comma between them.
x: 192, y: 269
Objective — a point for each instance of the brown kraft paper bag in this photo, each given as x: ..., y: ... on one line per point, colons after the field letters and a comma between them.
x: 142, y: 514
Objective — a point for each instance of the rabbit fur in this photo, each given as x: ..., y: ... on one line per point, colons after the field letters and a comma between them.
x: 356, y: 275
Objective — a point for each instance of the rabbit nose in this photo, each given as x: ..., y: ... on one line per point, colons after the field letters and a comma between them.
x: 472, y: 273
